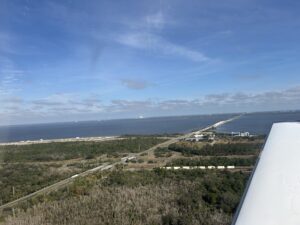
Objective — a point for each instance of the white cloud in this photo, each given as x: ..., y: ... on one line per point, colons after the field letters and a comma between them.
x: 152, y: 42
x: 9, y: 77
x: 66, y: 104
x: 156, y: 20
x: 65, y: 107
x: 145, y: 34
x: 124, y: 106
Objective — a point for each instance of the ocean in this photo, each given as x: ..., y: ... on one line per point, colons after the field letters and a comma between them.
x: 259, y: 123
x: 255, y: 123
x: 145, y: 126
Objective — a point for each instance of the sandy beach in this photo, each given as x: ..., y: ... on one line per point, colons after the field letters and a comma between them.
x: 42, y: 141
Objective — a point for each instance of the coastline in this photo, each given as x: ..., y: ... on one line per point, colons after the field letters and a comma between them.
x: 60, y: 140
x: 98, y: 138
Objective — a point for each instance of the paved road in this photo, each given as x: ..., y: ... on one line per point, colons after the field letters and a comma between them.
x: 103, y: 167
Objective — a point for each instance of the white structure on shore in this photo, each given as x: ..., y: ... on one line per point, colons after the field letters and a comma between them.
x: 128, y: 159
x: 207, y: 136
x: 241, y: 134
x: 197, y: 167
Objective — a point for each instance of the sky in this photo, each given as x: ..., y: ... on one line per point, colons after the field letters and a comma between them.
x: 103, y: 59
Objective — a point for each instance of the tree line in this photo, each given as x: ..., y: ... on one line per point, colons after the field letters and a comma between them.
x: 217, y: 149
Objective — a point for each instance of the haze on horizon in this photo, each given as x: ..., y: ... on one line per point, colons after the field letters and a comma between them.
x: 92, y: 60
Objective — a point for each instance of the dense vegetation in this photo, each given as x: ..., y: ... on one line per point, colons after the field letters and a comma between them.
x: 214, y: 161
x: 162, y: 152
x: 21, y: 168
x: 27, y: 178
x: 229, y: 137
x: 217, y: 149
x: 72, y: 150
x: 143, y: 198
x: 162, y: 197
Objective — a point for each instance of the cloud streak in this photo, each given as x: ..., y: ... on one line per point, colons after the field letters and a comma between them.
x: 9, y: 77
x: 145, y: 35
x: 156, y: 20
x: 152, y: 42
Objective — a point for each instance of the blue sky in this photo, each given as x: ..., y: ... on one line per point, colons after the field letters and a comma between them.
x: 96, y: 59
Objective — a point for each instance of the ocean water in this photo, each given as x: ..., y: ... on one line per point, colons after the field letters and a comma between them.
x: 259, y: 123
x: 255, y: 123
x: 146, y: 126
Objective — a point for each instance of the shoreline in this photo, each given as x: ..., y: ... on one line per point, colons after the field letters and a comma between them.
x: 99, y: 138
x: 61, y: 140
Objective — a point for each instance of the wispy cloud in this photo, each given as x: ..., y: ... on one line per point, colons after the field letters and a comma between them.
x: 156, y: 20
x: 135, y: 84
x: 5, y: 43
x: 247, y: 77
x: 10, y: 74
x: 9, y: 77
x: 74, y: 107
x: 152, y: 22
x: 61, y: 104
x: 121, y: 106
x: 146, y: 34
x: 152, y: 42
x: 226, y: 102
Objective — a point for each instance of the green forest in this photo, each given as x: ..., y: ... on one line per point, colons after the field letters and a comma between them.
x: 72, y: 150
x: 129, y: 194
x: 214, y: 161
x: 142, y: 198
x: 217, y: 149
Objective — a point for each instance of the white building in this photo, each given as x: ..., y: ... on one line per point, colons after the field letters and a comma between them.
x: 230, y: 167
x: 240, y: 134
x: 201, y: 137
x: 128, y: 159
